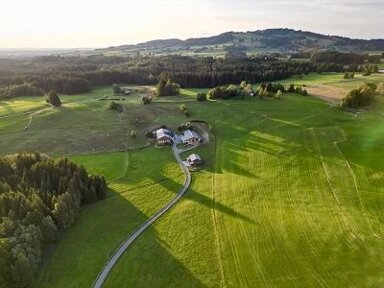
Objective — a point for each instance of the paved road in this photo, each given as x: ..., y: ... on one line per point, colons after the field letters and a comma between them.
x: 132, y: 237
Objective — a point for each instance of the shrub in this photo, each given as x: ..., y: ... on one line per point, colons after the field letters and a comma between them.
x: 112, y: 105
x: 380, y: 89
x: 182, y: 107
x: 184, y: 126
x: 116, y: 89
x: 148, y: 133
x: 278, y: 94
x: 146, y: 100
x: 201, y: 97
x: 167, y: 88
x: 360, y: 97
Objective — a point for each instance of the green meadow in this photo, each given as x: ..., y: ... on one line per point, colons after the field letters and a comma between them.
x: 291, y: 193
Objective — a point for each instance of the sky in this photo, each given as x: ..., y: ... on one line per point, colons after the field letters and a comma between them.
x: 91, y: 24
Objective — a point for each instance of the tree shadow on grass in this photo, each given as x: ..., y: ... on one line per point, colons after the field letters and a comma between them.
x: 201, y: 199
x: 102, y: 227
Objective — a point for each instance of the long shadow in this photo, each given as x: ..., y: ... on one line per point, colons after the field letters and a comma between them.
x: 195, y: 196
x: 146, y: 263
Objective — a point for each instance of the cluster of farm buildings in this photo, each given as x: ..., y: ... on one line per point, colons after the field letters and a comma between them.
x: 189, y: 137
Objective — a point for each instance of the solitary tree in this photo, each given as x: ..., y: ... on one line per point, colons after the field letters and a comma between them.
x: 116, y: 89
x: 53, y: 99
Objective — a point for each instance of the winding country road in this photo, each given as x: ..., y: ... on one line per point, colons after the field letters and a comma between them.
x: 133, y: 236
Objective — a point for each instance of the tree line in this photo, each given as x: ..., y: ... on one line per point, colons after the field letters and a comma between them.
x: 39, y: 197
x: 73, y: 75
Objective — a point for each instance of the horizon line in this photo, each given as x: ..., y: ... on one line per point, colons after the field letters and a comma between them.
x: 178, y: 38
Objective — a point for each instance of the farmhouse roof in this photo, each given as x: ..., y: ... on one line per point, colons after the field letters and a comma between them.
x: 160, y: 133
x: 194, y: 157
x: 189, y: 134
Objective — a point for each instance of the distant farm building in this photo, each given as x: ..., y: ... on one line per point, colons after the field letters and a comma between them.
x: 126, y: 91
x: 190, y: 137
x: 381, y: 70
x: 194, y: 160
x: 164, y: 136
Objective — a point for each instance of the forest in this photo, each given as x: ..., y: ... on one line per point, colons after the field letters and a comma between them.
x: 39, y: 197
x: 78, y: 74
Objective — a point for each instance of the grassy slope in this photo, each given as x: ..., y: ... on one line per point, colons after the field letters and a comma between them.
x: 136, y: 193
x: 186, y: 233
x: 299, y: 219
x: 334, y: 79
x: 292, y: 209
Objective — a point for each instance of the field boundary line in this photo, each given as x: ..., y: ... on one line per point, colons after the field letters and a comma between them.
x: 362, y: 207
x: 327, y: 176
x: 214, y: 217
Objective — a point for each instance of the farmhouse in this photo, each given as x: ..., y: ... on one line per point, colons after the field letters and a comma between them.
x: 194, y: 160
x: 190, y: 137
x: 164, y: 136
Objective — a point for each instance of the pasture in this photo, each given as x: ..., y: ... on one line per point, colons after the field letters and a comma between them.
x: 332, y: 87
x: 291, y: 194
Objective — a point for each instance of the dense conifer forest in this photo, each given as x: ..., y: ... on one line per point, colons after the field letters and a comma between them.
x: 39, y: 197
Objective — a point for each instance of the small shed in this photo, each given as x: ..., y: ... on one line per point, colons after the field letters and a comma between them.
x: 190, y: 137
x: 164, y: 136
x: 194, y: 160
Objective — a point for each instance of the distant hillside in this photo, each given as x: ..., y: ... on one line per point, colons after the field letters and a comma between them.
x: 256, y: 42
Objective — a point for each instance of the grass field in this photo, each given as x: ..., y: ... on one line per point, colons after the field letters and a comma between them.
x: 291, y: 194
x: 332, y: 87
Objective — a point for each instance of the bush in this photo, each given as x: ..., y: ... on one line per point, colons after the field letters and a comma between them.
x: 224, y: 92
x: 167, y: 88
x: 349, y: 75
x: 146, y: 100
x: 182, y: 107
x: 112, y: 105
x: 380, y: 89
x: 201, y: 97
x: 278, y: 94
x: 149, y: 134
x: 184, y: 126
x: 187, y: 113
x: 116, y: 89
x: 360, y: 97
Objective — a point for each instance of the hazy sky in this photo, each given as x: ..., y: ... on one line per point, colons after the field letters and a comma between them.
x: 84, y: 23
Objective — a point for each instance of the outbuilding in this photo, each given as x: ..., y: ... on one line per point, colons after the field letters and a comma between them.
x: 194, y: 160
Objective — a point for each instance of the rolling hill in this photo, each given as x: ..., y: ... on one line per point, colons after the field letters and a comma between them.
x: 255, y: 42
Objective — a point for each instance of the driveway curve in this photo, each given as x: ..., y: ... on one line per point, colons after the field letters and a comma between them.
x: 135, y: 234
